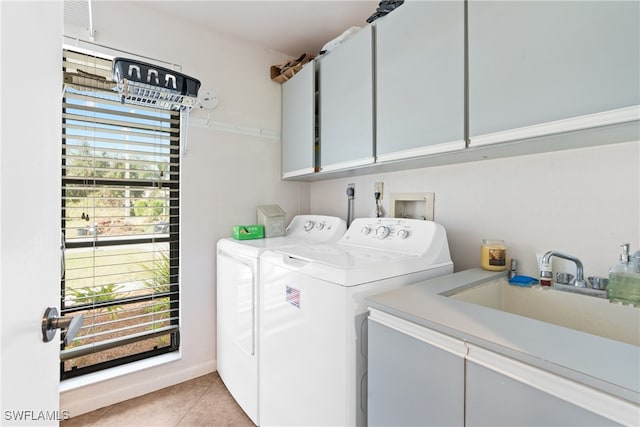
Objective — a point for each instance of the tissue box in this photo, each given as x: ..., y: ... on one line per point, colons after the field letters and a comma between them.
x: 272, y: 217
x: 247, y: 232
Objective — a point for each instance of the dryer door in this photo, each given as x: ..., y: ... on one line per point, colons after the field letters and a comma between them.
x: 237, y: 286
x: 236, y: 340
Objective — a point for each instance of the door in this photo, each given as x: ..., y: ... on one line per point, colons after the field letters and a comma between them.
x: 420, y: 80
x: 236, y: 335
x: 416, y: 375
x: 500, y: 391
x: 299, y: 123
x: 346, y: 103
x: 538, y: 68
x: 30, y: 126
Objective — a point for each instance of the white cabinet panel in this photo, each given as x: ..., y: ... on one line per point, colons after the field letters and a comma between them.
x: 346, y: 103
x: 539, y: 68
x: 420, y: 80
x: 298, y: 123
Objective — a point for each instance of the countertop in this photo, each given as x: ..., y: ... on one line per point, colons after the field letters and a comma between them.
x: 607, y: 365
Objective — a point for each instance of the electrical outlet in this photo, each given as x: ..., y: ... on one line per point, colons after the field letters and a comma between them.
x: 351, y: 191
x: 377, y: 188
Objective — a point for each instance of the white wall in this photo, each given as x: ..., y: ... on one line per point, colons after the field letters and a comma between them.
x: 584, y: 202
x: 224, y: 176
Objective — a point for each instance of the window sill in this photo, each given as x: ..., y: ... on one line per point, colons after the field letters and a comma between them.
x: 118, y: 371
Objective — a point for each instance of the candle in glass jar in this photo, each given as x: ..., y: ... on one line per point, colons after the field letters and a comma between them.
x: 493, y: 255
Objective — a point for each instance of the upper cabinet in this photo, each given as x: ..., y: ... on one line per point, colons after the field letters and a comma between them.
x: 298, y: 123
x: 346, y: 103
x: 440, y: 82
x: 420, y: 80
x: 539, y: 68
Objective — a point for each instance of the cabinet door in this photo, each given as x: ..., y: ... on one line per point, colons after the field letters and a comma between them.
x: 346, y: 103
x: 503, y: 392
x: 298, y: 123
x: 544, y: 67
x: 420, y: 80
x: 415, y: 376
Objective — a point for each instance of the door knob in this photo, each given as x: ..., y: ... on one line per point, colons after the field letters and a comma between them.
x: 51, y: 321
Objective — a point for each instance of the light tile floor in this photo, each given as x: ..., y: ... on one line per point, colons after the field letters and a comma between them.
x: 203, y: 401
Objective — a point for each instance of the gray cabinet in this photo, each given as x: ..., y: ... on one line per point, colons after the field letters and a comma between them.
x: 549, y: 75
x: 346, y: 103
x: 418, y: 376
x: 503, y: 392
x: 415, y: 376
x: 298, y: 123
x: 540, y: 68
x: 420, y: 80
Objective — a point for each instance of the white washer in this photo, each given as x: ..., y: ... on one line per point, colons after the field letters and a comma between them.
x: 312, y: 327
x: 238, y: 294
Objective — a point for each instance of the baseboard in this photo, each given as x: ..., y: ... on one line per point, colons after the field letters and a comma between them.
x: 90, y: 397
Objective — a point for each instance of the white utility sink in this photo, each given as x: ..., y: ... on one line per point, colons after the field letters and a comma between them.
x: 596, y: 316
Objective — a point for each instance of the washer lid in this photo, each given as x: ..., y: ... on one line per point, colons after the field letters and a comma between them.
x: 303, y: 230
x: 345, y: 256
x: 255, y: 247
x: 348, y: 266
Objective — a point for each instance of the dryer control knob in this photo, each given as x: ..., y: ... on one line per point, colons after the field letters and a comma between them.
x: 382, y: 232
x: 403, y: 234
x: 308, y: 226
x: 365, y: 230
x: 320, y: 225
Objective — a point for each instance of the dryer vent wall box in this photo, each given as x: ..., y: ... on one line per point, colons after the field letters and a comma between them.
x: 413, y: 205
x: 272, y: 217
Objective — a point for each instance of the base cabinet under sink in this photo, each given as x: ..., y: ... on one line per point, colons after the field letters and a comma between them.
x: 417, y: 376
x: 496, y: 399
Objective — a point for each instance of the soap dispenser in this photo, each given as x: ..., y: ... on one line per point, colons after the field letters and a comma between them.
x: 624, y: 279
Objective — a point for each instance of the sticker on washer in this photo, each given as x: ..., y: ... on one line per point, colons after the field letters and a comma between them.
x: 293, y: 296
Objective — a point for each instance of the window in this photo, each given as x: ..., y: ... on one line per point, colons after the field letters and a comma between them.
x: 120, y: 222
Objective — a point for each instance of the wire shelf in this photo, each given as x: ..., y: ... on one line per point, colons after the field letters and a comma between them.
x: 153, y: 96
x: 145, y: 84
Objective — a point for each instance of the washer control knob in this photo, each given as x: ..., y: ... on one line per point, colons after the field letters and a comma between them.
x: 320, y: 225
x: 365, y: 230
x: 308, y: 226
x: 403, y: 234
x: 382, y: 232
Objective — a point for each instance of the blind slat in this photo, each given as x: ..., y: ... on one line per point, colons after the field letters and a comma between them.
x: 113, y: 100
x: 172, y: 134
x: 155, y: 141
x: 91, y: 110
x: 119, y: 123
x: 150, y: 325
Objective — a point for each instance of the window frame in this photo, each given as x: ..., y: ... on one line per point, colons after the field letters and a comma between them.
x: 172, y: 184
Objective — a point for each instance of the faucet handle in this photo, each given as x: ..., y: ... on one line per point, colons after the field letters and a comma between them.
x: 625, y: 252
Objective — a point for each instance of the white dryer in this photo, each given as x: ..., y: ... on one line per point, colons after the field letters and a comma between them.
x: 313, y: 318
x: 238, y: 295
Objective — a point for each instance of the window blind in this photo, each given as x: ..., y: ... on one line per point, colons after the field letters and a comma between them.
x: 120, y: 221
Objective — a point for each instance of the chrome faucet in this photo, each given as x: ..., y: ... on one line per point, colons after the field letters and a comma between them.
x: 580, y: 282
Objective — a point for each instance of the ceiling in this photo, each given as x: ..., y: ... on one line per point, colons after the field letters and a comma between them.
x: 289, y: 27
